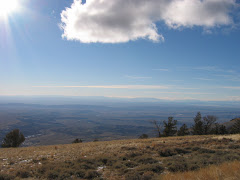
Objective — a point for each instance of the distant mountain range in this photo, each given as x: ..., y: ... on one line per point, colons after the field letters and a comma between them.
x: 100, y: 100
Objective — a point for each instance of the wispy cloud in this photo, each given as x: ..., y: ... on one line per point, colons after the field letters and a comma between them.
x: 234, y: 98
x: 232, y: 87
x: 111, y: 87
x: 186, y: 88
x: 227, y: 74
x: 138, y: 77
x: 214, y: 69
x: 161, y: 69
x: 230, y: 77
x: 187, y: 93
x: 203, y: 79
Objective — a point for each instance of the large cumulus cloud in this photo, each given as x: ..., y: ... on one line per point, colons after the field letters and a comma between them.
x: 116, y: 21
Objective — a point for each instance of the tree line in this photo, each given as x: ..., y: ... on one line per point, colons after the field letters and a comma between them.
x: 202, y: 126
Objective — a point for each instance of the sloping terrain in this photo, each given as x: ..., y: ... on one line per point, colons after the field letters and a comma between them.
x: 229, y: 124
x: 124, y: 159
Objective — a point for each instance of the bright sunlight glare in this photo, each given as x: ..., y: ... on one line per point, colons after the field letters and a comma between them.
x: 7, y: 7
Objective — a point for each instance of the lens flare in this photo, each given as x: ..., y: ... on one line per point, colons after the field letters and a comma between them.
x: 7, y: 7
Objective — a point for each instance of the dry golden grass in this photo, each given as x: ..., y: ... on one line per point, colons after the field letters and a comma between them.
x: 226, y: 171
x: 138, y: 154
x: 234, y: 137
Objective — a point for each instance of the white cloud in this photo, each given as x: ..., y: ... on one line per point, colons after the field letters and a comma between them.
x: 111, y: 87
x: 161, y: 69
x: 116, y: 21
x: 232, y: 87
x: 203, y: 79
x: 138, y: 77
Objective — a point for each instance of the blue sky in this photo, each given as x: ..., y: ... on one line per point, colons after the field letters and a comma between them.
x: 93, y: 49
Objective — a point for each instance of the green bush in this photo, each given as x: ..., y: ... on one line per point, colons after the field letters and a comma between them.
x: 13, y: 139
x: 156, y: 168
x: 23, y: 174
x: 202, y: 150
x: 90, y: 174
x: 167, y: 152
x: 143, y: 136
x: 6, y: 177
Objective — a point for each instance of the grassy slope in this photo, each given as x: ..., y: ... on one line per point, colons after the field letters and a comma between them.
x: 126, y: 159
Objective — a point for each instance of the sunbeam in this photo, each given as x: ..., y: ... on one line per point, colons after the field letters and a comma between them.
x: 8, y: 7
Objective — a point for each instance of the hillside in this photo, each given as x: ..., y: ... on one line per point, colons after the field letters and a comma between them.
x: 126, y: 159
x: 229, y: 124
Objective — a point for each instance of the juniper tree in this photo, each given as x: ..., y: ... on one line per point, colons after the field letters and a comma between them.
x: 236, y: 127
x: 207, y: 123
x: 198, y: 125
x: 143, y: 136
x: 219, y: 129
x: 77, y: 141
x: 183, y: 131
x: 13, y: 139
x: 170, y: 127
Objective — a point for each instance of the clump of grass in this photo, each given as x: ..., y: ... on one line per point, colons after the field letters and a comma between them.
x: 234, y: 146
x: 167, y: 152
x: 172, y: 152
x: 23, y: 174
x: 126, y: 148
x: 224, y: 171
x: 203, y: 150
x: 6, y: 177
x: 156, y: 168
x: 90, y: 174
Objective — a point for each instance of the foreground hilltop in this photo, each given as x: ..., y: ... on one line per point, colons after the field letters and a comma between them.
x: 207, y: 157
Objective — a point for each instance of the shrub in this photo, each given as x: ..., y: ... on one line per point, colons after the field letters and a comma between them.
x: 13, y: 139
x: 181, y: 151
x: 23, y: 174
x: 202, y: 150
x: 133, y: 176
x: 156, y: 168
x: 128, y: 148
x: 196, y: 148
x: 148, y: 175
x: 52, y: 175
x: 167, y: 153
x: 178, y: 167
x: 146, y: 160
x: 130, y: 164
x: 77, y: 141
x: 6, y: 177
x: 234, y: 146
x: 90, y: 174
x: 143, y: 136
x: 80, y: 173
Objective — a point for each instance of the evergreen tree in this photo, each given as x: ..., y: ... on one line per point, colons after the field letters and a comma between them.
x: 236, y: 127
x: 170, y: 127
x: 77, y: 141
x: 223, y: 130
x: 198, y: 125
x: 143, y: 136
x: 183, y: 131
x: 208, y: 122
x: 13, y: 139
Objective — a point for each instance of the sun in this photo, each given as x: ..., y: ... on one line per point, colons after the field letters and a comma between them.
x: 7, y: 7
